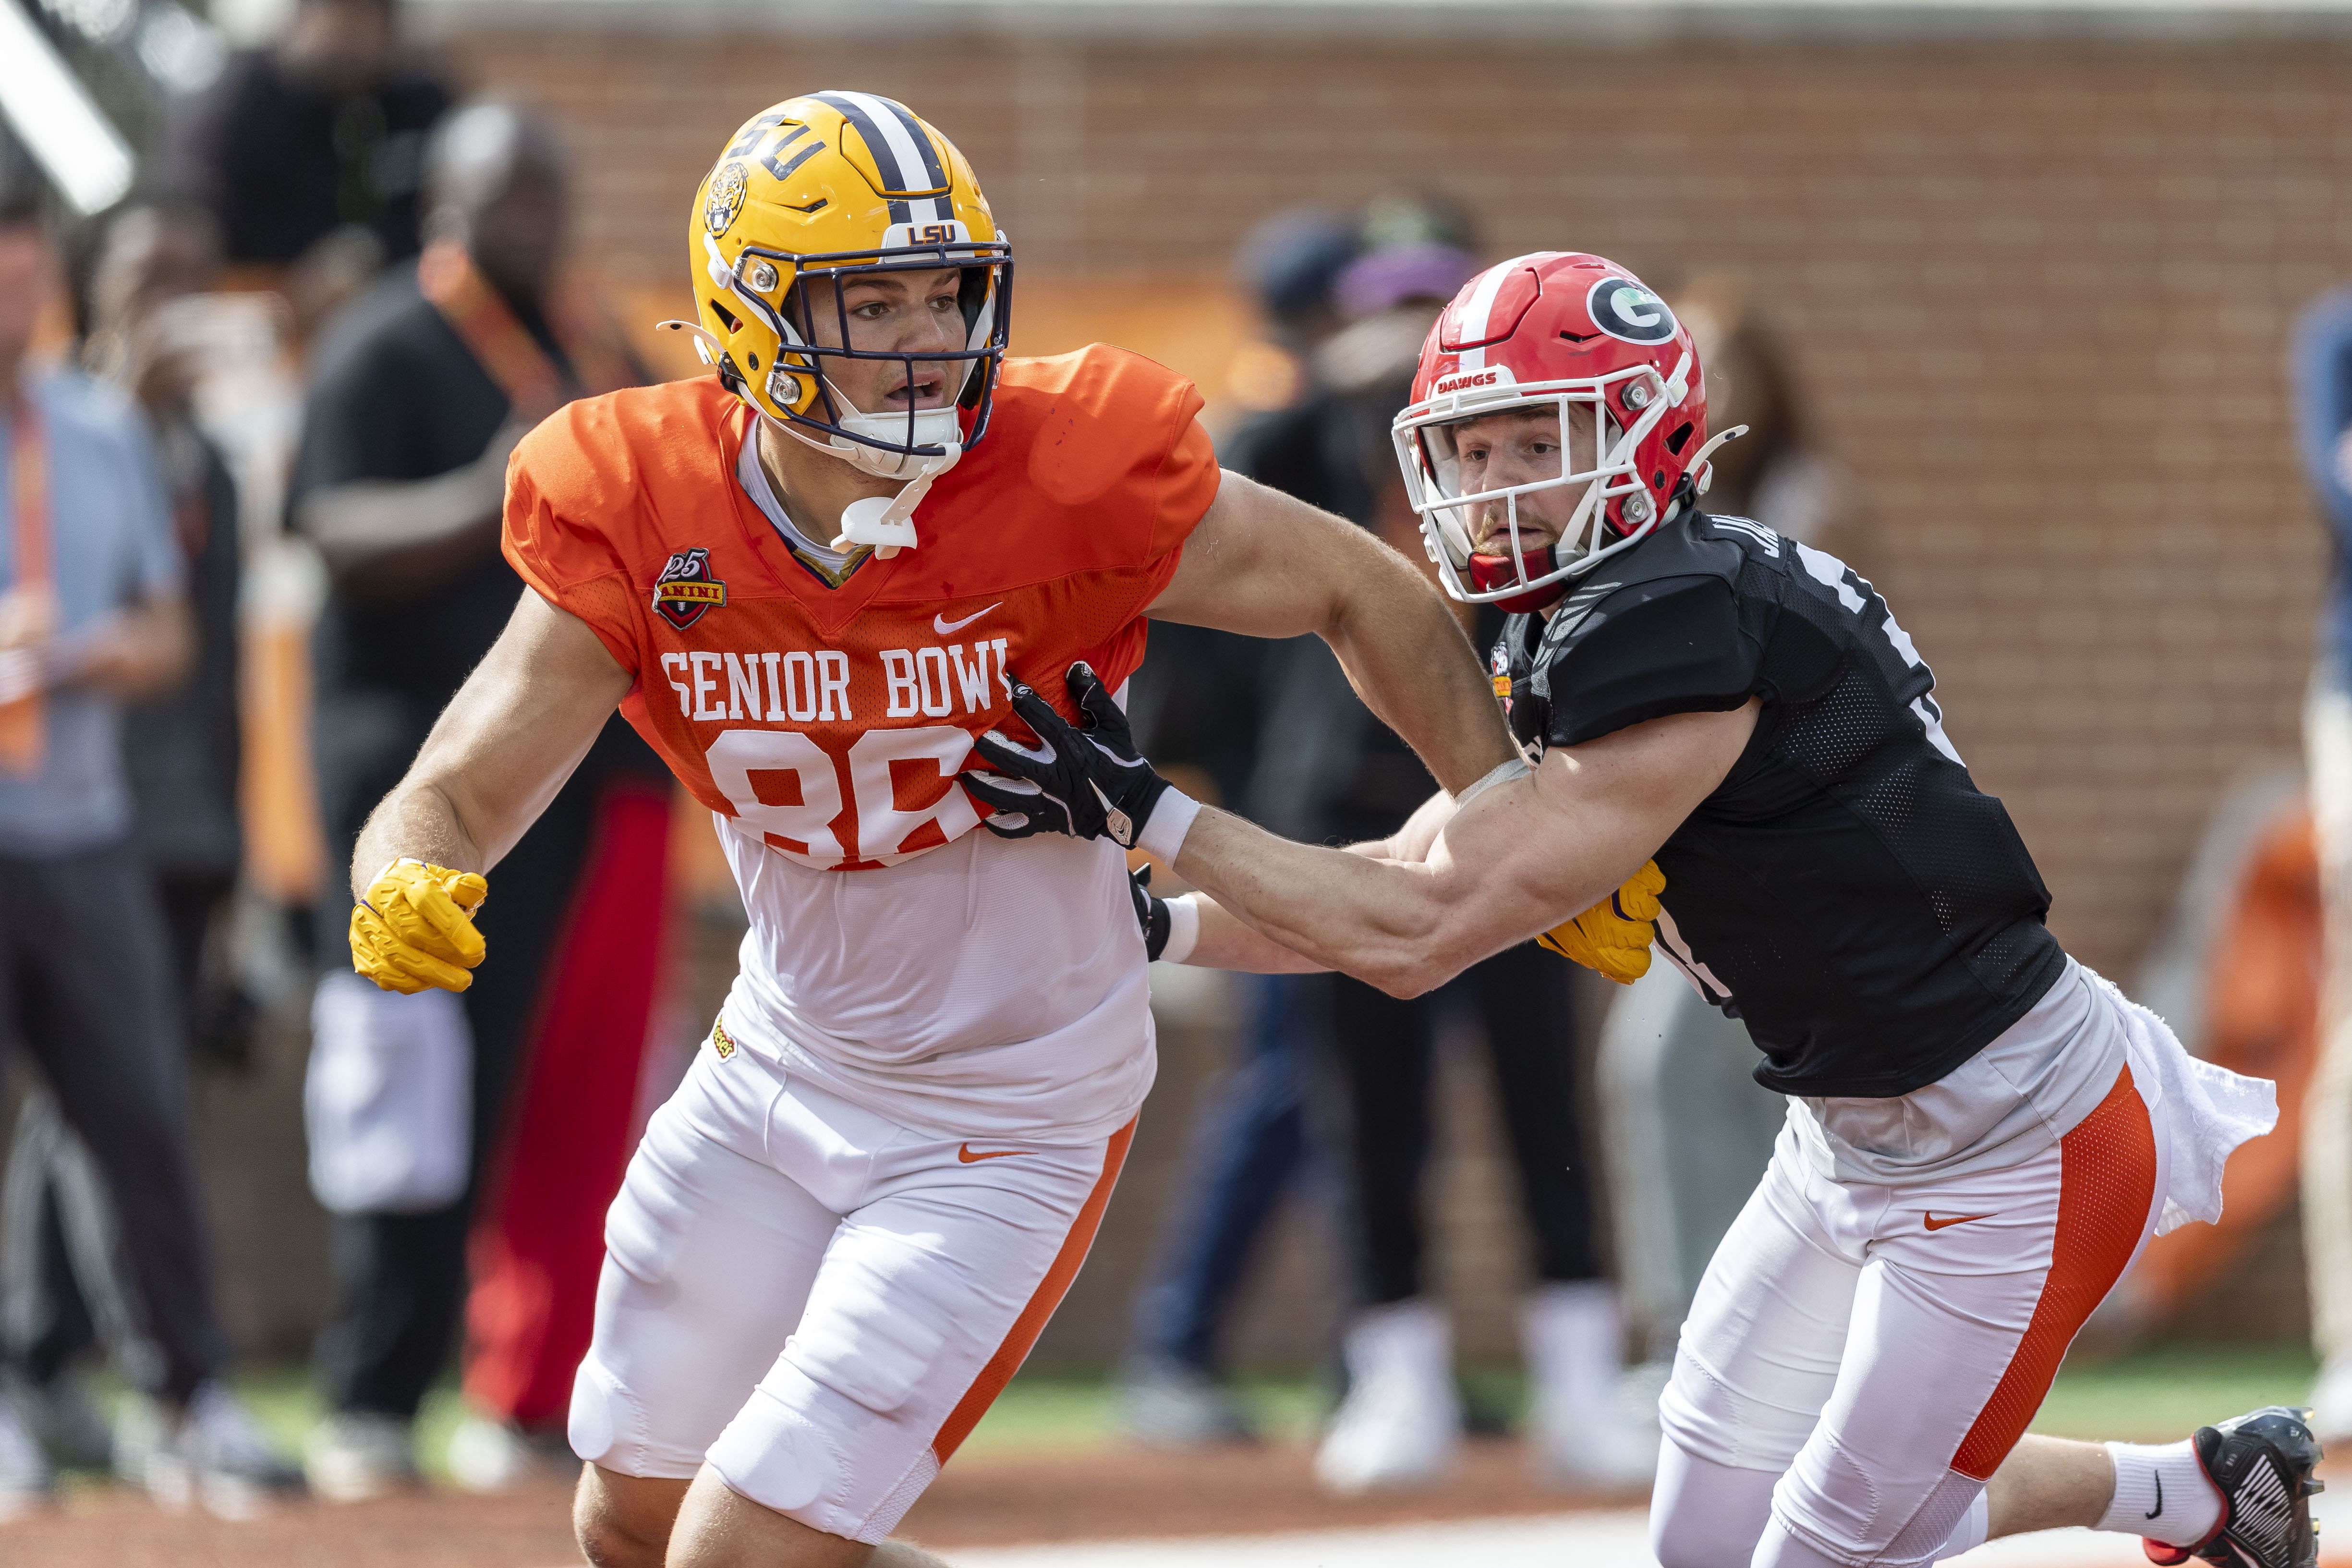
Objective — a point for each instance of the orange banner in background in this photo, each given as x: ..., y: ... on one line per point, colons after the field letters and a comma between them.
x: 26, y: 607
x: 2262, y: 1020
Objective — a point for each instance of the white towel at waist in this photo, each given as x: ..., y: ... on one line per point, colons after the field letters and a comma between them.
x: 2208, y: 1111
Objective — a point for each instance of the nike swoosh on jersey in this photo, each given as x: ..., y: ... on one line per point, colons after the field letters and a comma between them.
x: 968, y: 1157
x: 1935, y: 1224
x: 2159, y: 1496
x: 943, y: 625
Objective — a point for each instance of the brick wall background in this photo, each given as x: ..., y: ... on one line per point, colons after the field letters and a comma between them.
x: 2037, y: 297
x: 2036, y: 293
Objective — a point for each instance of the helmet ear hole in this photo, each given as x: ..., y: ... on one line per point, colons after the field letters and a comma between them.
x: 728, y: 324
x: 1680, y: 438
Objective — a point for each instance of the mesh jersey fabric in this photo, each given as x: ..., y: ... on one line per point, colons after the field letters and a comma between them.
x: 956, y: 981
x: 1042, y: 546
x: 1847, y: 891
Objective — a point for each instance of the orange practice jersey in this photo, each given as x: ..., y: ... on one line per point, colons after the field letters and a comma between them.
x: 833, y: 719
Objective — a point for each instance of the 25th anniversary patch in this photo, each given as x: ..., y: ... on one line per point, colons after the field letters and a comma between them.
x: 685, y: 591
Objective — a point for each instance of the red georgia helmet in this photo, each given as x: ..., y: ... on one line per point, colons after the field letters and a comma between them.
x: 1544, y: 333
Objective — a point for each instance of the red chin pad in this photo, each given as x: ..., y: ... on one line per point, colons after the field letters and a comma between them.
x: 1489, y: 573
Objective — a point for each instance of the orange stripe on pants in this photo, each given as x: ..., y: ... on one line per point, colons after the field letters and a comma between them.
x: 2106, y: 1187
x: 1032, y: 1321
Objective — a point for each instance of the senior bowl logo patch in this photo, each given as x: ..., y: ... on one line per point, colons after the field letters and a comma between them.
x: 685, y: 591
x: 724, y: 199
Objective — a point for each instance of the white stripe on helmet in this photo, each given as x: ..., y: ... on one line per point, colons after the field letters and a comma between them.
x: 1476, y: 311
x: 899, y: 139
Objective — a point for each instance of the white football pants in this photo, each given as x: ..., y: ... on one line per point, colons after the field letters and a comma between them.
x: 819, y: 1301
x: 1876, y: 1351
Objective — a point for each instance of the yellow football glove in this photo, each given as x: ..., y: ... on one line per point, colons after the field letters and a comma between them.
x: 415, y: 928
x: 1613, y: 936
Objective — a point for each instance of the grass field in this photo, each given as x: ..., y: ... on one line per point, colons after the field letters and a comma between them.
x: 2155, y: 1393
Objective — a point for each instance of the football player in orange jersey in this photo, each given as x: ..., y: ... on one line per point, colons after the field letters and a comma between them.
x: 805, y: 581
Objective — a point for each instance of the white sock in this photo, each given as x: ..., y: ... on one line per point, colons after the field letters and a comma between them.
x: 2161, y: 1492
x: 1575, y: 1342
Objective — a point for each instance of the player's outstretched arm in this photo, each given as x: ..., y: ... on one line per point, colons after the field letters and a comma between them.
x: 1517, y: 859
x: 1223, y: 940
x: 1264, y: 564
x: 1518, y: 855
x: 496, y: 757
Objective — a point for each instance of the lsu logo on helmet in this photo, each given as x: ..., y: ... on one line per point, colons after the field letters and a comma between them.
x: 723, y: 197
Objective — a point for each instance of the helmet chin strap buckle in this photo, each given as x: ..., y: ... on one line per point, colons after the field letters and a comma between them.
x: 887, y: 522
x: 1701, y: 467
x: 705, y: 342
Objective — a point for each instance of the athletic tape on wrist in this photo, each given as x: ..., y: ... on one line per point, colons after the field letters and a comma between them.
x: 1502, y: 772
x: 1171, y: 818
x: 1184, y: 927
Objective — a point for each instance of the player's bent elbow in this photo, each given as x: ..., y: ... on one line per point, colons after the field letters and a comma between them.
x: 1438, y: 948
x: 1407, y: 983
x: 1405, y: 975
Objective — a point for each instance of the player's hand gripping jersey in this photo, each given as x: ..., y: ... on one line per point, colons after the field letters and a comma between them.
x: 951, y: 980
x: 1848, y: 892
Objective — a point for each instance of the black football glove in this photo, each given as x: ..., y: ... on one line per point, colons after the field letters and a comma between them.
x: 1150, y: 913
x: 1089, y: 783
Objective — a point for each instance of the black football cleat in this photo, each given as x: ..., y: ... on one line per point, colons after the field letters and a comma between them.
x: 2261, y: 1465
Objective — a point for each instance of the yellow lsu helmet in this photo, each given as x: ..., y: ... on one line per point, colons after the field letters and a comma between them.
x: 837, y: 185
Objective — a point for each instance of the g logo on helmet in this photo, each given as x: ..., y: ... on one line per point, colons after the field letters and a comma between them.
x: 1626, y: 311
x: 725, y: 198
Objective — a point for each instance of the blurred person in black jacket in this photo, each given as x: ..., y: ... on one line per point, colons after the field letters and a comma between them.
x: 1339, y: 776
x: 312, y: 151
x: 1197, y: 698
x: 420, y: 391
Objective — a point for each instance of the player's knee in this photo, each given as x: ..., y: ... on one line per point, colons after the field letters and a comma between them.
x: 608, y: 1542
x: 622, y: 1523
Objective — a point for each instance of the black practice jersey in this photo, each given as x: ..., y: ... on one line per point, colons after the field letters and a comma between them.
x: 1847, y: 891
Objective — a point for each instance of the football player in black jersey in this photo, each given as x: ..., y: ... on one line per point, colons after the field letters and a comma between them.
x: 1982, y: 1134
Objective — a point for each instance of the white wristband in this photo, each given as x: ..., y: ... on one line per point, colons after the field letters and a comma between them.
x: 1171, y: 819
x: 1501, y: 773
x: 1184, y: 927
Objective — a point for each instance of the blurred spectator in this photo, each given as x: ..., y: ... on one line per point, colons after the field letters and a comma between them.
x: 94, y: 614
x: 141, y: 323
x: 1776, y: 474
x: 137, y: 265
x: 1285, y: 266
x: 1341, y: 775
x: 2323, y: 398
x: 312, y: 151
x: 1196, y: 700
x: 420, y: 393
